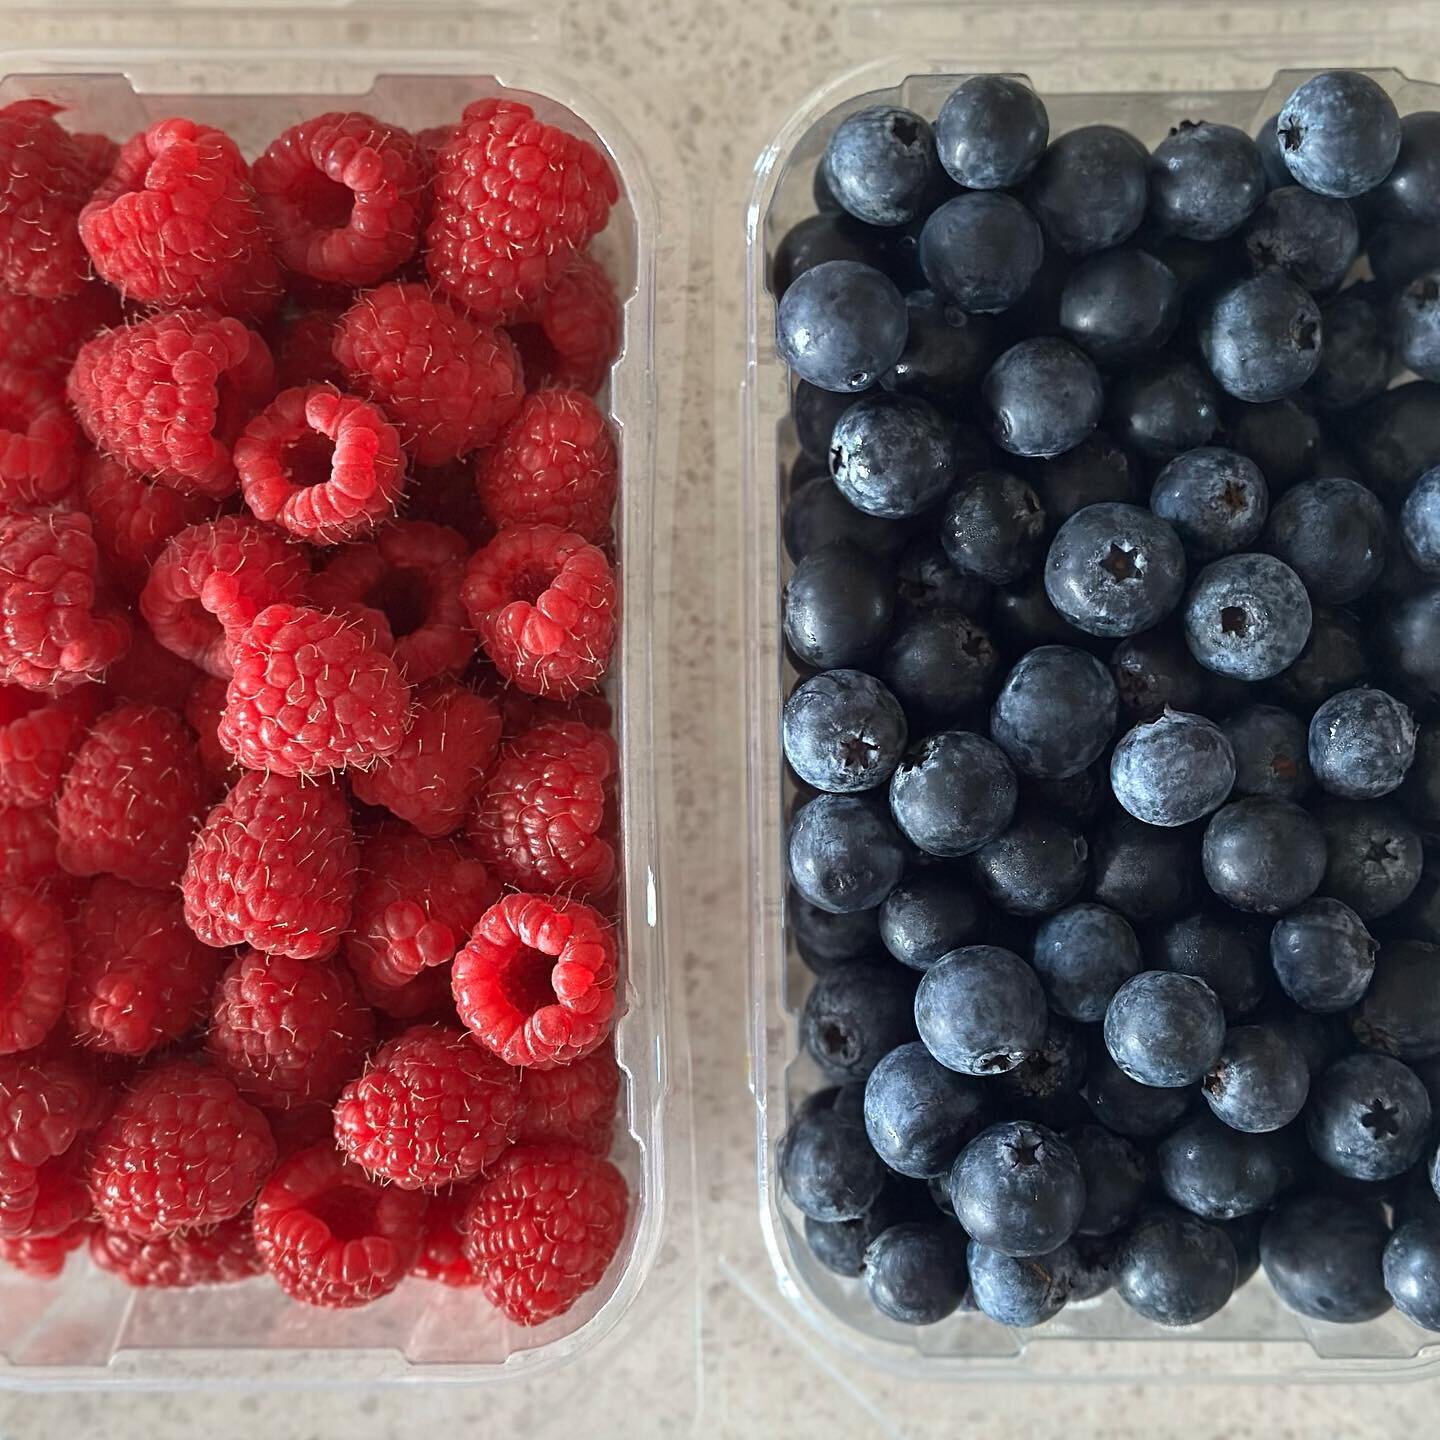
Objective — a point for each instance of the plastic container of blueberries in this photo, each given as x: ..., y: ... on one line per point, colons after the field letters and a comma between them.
x: 254, y: 71
x: 1143, y: 67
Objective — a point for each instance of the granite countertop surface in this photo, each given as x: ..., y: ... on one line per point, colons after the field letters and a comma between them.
x: 711, y: 1348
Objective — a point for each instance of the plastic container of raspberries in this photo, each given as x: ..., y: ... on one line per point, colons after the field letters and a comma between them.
x: 828, y: 998
x: 332, y: 930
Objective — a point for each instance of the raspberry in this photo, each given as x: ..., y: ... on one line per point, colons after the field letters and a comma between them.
x: 213, y: 1255
x: 448, y: 384
x: 43, y: 1257
x: 344, y: 194
x: 442, y: 1242
x: 536, y: 983
x: 48, y: 1100
x: 431, y: 139
x: 543, y: 603
x: 274, y: 867
x: 331, y: 1237
x: 43, y: 335
x: 288, y: 1032
x: 34, y: 969
x: 572, y: 336
x: 303, y: 347
x: 27, y: 848
x: 514, y: 200
x: 543, y: 1227
x: 575, y: 1103
x: 56, y: 625
x: 176, y: 223
x: 169, y: 395
x: 520, y: 712
x: 212, y: 580
x: 554, y: 465
x: 39, y: 444
x: 432, y: 1109
x: 411, y: 572
x: 140, y: 978
x: 432, y: 780
x: 445, y: 495
x: 180, y: 1149
x: 131, y: 797
x: 48, y: 175
x: 542, y: 807
x: 203, y: 708
x: 37, y: 738
x: 311, y: 694
x: 302, y: 1127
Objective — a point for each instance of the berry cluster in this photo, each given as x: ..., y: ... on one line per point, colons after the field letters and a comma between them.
x: 1114, y: 602
x: 308, y: 956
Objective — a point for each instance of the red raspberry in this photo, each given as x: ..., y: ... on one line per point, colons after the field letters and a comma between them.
x: 34, y: 969
x: 442, y: 1243
x: 274, y: 867
x: 43, y: 1257
x: 288, y: 1032
x: 149, y: 674
x: 543, y: 603
x: 575, y: 1103
x: 43, y: 335
x: 330, y: 1236
x: 180, y: 1149
x: 542, y: 808
x: 37, y: 738
x: 554, y: 465
x: 303, y: 347
x: 448, y: 384
x: 46, y: 176
x: 445, y: 495
x: 432, y: 780
x: 514, y: 200
x: 203, y: 708
x: 213, y: 1255
x: 169, y: 395
x: 212, y: 580
x: 48, y: 1100
x: 27, y: 848
x: 432, y: 1109
x: 131, y: 797
x: 536, y: 983
x: 140, y: 978
x: 431, y: 139
x: 344, y: 194
x: 520, y: 712
x: 176, y: 223
x: 543, y: 1227
x: 311, y: 694
x: 302, y: 1127
x: 572, y: 336
x: 56, y: 625
x: 39, y: 444
x: 411, y: 572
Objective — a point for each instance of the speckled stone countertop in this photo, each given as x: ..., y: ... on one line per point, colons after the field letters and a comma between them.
x: 711, y: 1348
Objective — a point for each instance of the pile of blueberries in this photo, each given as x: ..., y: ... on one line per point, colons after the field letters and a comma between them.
x: 1116, y: 611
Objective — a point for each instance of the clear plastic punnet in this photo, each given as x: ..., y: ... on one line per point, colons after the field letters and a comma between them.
x: 1145, y: 68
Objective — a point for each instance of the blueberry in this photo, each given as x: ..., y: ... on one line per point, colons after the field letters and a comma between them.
x: 1409, y: 646
x: 1164, y: 1029
x: 953, y: 793
x: 1282, y: 437
x: 1048, y: 1084
x: 1400, y: 1013
x: 1018, y: 1188
x: 1375, y: 856
x: 1321, y: 1038
x: 1244, y: 1234
x: 1323, y: 956
x: 815, y: 412
x: 1333, y: 534
x: 1077, y: 797
x: 892, y: 455
x: 1116, y: 1176
x: 1398, y: 251
x: 1260, y: 1081
x: 1267, y: 142
x: 1220, y: 1173
x: 1355, y: 361
x: 1163, y: 409
x: 1420, y: 522
x: 918, y: 1114
x: 1311, y: 238
x: 1055, y: 712
x: 1323, y: 1255
x: 856, y: 1014
x: 1247, y: 616
x: 813, y: 241
x: 930, y: 913
x: 947, y: 350
x: 915, y: 1271
x: 1411, y: 1270
x: 1173, y: 769
x: 1037, y: 866
x: 1093, y: 1272
x: 1223, y: 949
x: 991, y: 132
x: 844, y: 731
x: 1044, y: 397
x: 1420, y: 914
x: 880, y: 165
x: 1022, y: 618
x: 1083, y: 954
x: 1205, y: 179
x: 825, y: 939
x: 1021, y: 1293
x: 1271, y: 749
x: 942, y: 665
x: 1175, y: 1268
x: 1142, y: 1112
x: 837, y: 607
x: 845, y: 853
x: 1096, y: 470
x: 1368, y: 1117
x: 1089, y: 189
x: 1155, y: 672
x: 1216, y: 500
x: 1199, y: 267
x: 1339, y: 133
x: 1332, y: 659
x: 818, y: 514
x: 980, y: 1010
x: 1261, y: 337
x: 994, y: 527
x: 1395, y: 438
x: 840, y: 1245
x: 846, y: 1101
x: 841, y: 325
x: 827, y: 1168
x: 1143, y: 871
x: 1362, y: 743
x: 1411, y: 191
x: 1419, y: 796
x: 1119, y: 305
x: 1417, y: 325
x: 1263, y: 855
x: 981, y: 250
x: 926, y: 580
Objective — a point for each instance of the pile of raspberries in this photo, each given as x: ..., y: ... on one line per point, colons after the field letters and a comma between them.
x: 308, y: 881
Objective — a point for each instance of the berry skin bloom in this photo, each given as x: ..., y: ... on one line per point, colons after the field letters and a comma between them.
x: 514, y: 200
x: 169, y: 395
x: 537, y: 981
x: 212, y: 1255
x: 141, y: 979
x: 180, y: 1149
x: 289, y: 1033
x: 442, y: 1245
x: 330, y: 1236
x: 542, y: 808
x: 448, y: 383
x: 432, y: 1109
x: 43, y: 1257
x: 554, y: 465
x: 311, y: 694
x: 43, y: 335
x: 176, y: 223
x: 543, y: 1227
x: 575, y: 1103
x: 274, y: 867
x: 39, y: 444
x: 345, y: 197
x: 543, y: 603
x: 35, y: 959
x: 131, y: 797
x: 37, y: 738
x: 571, y: 337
